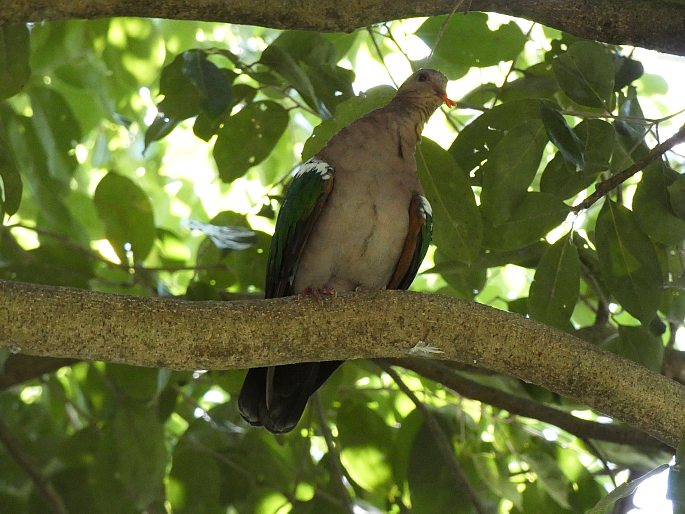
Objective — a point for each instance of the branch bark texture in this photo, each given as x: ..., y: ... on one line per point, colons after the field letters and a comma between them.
x: 72, y: 323
x: 655, y: 24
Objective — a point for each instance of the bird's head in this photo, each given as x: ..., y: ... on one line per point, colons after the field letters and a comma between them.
x: 427, y: 87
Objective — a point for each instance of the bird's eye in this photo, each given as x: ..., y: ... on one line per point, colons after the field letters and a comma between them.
x: 423, y: 77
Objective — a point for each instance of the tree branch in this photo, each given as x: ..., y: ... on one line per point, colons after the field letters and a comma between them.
x: 618, y: 179
x: 612, y: 21
x: 520, y: 406
x: 20, y: 368
x: 177, y: 334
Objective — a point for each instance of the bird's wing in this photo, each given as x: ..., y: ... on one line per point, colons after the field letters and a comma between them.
x: 304, y: 202
x: 415, y: 244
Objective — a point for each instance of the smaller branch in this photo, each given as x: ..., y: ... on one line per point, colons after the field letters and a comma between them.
x: 441, y: 440
x: 611, y: 183
x: 380, y: 54
x: 519, y: 406
x: 334, y: 463
x: 43, y: 485
x: 20, y: 368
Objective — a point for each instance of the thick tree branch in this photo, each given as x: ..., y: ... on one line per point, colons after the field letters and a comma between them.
x: 655, y: 24
x: 157, y: 332
x: 520, y: 406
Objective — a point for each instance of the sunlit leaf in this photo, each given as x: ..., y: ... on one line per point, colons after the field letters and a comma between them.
x: 554, y: 291
x: 458, y: 229
x: 586, y: 73
x: 607, y: 503
x: 127, y: 214
x: 260, y: 124
x: 628, y: 261
x: 468, y: 41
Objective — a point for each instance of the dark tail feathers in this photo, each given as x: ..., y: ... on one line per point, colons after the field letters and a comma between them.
x: 291, y: 386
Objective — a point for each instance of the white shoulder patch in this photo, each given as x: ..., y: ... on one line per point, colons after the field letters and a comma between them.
x: 317, y: 166
x: 426, y: 206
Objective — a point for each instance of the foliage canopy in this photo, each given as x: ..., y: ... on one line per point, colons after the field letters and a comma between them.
x: 104, y: 187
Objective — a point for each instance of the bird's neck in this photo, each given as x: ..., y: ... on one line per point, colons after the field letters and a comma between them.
x: 413, y: 116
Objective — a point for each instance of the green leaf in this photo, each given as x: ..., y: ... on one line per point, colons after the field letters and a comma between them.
x: 628, y: 261
x: 282, y: 62
x: 586, y: 74
x: 58, y: 130
x: 468, y: 41
x: 131, y: 460
x: 535, y: 215
x: 11, y: 185
x: 510, y: 169
x: 192, y: 85
x: 346, y: 112
x: 604, y: 505
x: 430, y: 479
x: 194, y: 482
x: 14, y: 59
x: 138, y: 382
x: 212, y: 84
x: 127, y: 214
x: 639, y: 345
x: 475, y: 141
x: 365, y: 443
x: 261, y: 124
x: 653, y: 210
x: 598, y: 139
x: 458, y: 229
x: 560, y: 134
x: 627, y: 71
x: 676, y: 196
x: 554, y: 291
x: 549, y: 475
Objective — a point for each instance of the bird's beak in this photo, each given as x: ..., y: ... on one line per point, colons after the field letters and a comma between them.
x: 446, y: 101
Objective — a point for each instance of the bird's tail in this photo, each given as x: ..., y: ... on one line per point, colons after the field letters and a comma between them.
x: 275, y: 397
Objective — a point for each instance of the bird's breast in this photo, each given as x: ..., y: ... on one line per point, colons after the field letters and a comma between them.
x: 360, y: 234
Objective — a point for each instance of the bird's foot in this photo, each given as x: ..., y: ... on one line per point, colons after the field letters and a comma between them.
x: 319, y: 291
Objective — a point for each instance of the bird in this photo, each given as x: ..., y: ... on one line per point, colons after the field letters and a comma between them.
x: 353, y: 218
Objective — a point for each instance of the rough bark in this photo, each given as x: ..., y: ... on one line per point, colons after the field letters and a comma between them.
x: 71, y: 323
x: 655, y: 24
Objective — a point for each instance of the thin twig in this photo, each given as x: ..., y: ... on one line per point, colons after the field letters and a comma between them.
x: 441, y: 440
x: 443, y: 27
x: 614, y: 181
x: 334, y: 463
x: 380, y: 54
x: 43, y: 485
